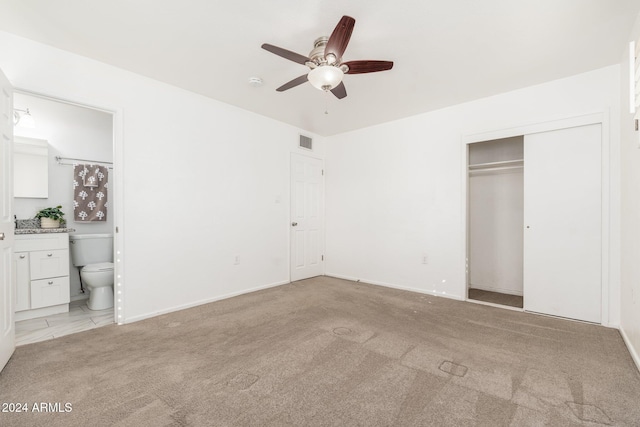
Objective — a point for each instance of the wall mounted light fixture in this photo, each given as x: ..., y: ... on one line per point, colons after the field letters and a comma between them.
x: 23, y: 118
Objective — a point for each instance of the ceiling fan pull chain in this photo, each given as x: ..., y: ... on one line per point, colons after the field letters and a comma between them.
x: 326, y: 102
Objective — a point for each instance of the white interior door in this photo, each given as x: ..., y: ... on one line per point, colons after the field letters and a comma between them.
x: 7, y: 302
x: 307, y: 223
x: 563, y: 221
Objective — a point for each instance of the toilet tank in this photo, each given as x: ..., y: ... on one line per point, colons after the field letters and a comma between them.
x: 90, y: 248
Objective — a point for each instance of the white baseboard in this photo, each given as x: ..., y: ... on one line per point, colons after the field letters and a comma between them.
x: 632, y: 350
x: 201, y: 302
x: 404, y: 288
x: 493, y: 289
x: 41, y: 312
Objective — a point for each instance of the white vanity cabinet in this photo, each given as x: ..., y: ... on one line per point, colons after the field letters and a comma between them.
x: 41, y: 274
x: 21, y: 280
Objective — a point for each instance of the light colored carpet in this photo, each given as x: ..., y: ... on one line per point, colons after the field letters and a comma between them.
x: 328, y: 352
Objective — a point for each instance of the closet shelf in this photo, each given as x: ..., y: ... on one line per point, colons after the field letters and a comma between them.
x: 510, y: 164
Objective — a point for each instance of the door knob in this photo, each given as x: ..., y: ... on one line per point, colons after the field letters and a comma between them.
x: 293, y: 224
x: 1, y: 236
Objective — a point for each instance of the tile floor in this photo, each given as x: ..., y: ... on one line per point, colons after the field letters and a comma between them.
x: 78, y: 319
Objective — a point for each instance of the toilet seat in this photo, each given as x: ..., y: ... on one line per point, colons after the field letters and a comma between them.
x: 96, y: 268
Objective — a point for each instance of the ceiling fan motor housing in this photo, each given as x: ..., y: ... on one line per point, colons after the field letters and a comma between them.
x: 316, y: 56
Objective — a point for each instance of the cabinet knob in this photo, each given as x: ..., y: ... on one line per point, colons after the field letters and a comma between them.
x: 22, y: 256
x: 49, y: 254
x: 50, y: 282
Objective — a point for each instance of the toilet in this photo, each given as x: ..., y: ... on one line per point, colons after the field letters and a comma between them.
x: 93, y: 253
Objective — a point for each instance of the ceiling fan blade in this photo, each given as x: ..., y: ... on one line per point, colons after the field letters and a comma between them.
x: 361, y: 67
x: 293, y: 83
x: 287, y: 54
x: 339, y: 39
x: 339, y: 91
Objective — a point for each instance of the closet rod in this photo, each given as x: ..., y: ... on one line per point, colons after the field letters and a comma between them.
x: 60, y: 159
x: 496, y: 169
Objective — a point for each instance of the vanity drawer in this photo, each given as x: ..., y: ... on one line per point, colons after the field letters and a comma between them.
x: 53, y: 263
x: 48, y: 292
x: 40, y: 242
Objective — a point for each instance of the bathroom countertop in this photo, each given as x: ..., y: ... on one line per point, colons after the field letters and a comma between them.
x: 43, y: 230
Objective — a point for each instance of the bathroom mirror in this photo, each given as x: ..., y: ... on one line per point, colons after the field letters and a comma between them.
x: 30, y: 168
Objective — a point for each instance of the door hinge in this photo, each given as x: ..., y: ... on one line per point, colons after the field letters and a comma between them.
x: 322, y: 257
x: 637, y: 124
x: 636, y: 129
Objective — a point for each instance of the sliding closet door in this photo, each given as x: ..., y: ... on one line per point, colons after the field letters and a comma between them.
x: 562, y: 219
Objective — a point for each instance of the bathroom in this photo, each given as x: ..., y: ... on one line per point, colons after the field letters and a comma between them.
x: 66, y: 132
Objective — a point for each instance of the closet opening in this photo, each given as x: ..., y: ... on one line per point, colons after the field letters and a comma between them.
x: 537, y: 219
x: 496, y: 221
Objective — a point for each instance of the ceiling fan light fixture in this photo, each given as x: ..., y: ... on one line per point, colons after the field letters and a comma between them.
x: 325, y: 77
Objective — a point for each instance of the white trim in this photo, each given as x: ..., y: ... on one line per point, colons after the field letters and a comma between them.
x: 202, y: 302
x: 65, y: 100
x: 605, y: 212
x: 119, y: 281
x: 632, y: 77
x: 490, y: 304
x: 465, y: 197
x: 538, y: 127
x: 40, y: 312
x: 632, y: 350
x: 531, y: 128
x: 403, y: 288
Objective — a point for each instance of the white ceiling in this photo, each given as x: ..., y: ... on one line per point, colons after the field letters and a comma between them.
x: 445, y: 51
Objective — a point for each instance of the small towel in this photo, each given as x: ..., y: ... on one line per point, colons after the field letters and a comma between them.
x: 90, y: 176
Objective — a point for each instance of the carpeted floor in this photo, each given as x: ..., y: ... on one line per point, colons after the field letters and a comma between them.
x: 328, y: 352
x: 496, y: 297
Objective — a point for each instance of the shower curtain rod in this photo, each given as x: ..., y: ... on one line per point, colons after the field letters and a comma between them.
x: 59, y: 160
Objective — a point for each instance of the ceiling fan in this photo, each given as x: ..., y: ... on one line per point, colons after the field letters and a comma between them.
x: 325, y: 61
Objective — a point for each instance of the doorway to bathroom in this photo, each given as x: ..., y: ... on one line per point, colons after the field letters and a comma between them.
x: 69, y: 134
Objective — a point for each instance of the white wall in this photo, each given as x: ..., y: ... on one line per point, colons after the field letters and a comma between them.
x: 630, y: 149
x: 196, y: 192
x: 496, y: 221
x: 394, y: 191
x: 71, y: 131
x: 496, y: 217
